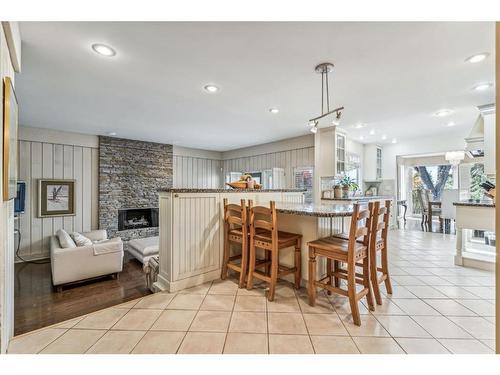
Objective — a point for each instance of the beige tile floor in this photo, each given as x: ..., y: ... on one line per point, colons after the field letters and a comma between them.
x: 436, y: 307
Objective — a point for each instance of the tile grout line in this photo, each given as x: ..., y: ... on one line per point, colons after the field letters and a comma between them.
x: 229, y: 323
x: 304, y: 320
x: 190, y: 324
x: 148, y: 330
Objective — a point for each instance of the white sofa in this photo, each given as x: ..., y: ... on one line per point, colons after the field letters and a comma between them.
x: 103, y: 257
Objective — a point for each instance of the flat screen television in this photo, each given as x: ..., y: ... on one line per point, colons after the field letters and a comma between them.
x: 20, y: 200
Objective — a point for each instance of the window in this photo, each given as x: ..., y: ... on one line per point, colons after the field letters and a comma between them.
x: 303, y: 179
x: 340, y: 153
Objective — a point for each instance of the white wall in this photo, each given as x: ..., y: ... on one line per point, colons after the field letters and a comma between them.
x: 287, y: 154
x: 7, y: 208
x: 452, y: 141
x: 53, y: 154
x: 194, y: 168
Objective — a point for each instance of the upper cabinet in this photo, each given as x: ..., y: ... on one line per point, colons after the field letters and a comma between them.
x: 489, y: 144
x: 341, y: 153
x: 373, y: 163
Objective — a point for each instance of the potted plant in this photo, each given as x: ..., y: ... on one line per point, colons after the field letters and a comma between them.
x: 337, y: 191
x: 347, y: 184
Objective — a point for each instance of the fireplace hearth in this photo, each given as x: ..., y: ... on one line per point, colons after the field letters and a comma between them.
x: 137, y: 218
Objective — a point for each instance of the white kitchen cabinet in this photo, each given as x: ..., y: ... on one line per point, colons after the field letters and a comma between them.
x: 372, y: 163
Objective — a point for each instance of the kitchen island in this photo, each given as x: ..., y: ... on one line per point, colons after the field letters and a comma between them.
x: 473, y: 215
x: 191, y: 230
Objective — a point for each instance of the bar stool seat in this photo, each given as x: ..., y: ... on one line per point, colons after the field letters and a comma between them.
x: 331, y: 245
x: 284, y: 238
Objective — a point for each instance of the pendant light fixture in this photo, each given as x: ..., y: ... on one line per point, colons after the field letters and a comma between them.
x: 324, y: 69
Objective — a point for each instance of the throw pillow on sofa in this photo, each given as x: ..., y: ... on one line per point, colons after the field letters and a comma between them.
x: 65, y: 239
x: 81, y: 240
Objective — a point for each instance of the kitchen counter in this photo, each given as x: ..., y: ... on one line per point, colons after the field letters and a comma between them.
x: 360, y: 198
x: 473, y: 216
x: 474, y: 204
x: 317, y: 210
x: 191, y: 229
x: 222, y: 190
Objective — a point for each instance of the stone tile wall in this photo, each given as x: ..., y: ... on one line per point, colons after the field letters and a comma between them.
x: 130, y: 175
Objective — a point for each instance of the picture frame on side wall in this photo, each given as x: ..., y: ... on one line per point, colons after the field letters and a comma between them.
x: 10, y: 135
x: 56, y: 198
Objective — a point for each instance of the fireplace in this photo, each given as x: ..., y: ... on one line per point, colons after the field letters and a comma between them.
x: 137, y: 218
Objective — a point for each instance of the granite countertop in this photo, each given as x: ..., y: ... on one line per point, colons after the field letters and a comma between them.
x: 186, y: 190
x: 359, y: 198
x: 317, y: 210
x: 475, y: 204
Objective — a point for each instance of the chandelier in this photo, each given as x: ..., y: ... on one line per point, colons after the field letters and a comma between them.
x: 324, y: 69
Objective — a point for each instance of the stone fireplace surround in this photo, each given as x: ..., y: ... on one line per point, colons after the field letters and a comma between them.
x: 130, y: 174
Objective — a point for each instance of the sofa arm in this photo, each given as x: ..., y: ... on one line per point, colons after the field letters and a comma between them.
x: 96, y: 235
x: 108, y: 246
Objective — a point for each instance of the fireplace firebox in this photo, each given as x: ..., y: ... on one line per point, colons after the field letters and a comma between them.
x: 136, y: 218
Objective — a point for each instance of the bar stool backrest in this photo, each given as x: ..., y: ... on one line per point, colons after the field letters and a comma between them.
x: 263, y: 218
x: 235, y: 216
x: 380, y: 220
x: 360, y: 226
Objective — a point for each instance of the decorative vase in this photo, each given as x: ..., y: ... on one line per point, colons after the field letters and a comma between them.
x: 250, y: 184
x: 345, y: 192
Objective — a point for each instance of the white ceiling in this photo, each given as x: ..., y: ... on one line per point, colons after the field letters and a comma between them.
x: 391, y: 76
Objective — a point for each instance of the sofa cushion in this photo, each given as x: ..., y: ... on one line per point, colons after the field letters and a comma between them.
x: 80, y: 239
x: 65, y: 239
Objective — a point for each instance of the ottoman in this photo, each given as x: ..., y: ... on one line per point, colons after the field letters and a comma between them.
x: 144, y: 248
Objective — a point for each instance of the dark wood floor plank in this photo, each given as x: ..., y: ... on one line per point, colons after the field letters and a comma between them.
x: 37, y: 305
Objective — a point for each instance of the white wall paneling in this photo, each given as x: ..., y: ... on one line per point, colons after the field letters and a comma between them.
x: 197, y: 172
x: 10, y: 61
x: 50, y: 160
x: 288, y: 160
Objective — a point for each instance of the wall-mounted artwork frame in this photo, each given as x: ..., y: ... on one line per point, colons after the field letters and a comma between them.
x: 56, y: 198
x: 10, y: 134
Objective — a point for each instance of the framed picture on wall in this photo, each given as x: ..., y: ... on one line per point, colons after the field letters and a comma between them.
x: 10, y: 117
x: 56, y: 198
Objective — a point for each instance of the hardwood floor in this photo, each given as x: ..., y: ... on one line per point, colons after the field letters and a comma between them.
x: 37, y: 305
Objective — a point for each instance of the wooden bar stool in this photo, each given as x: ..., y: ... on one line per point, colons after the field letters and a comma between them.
x: 351, y: 252
x: 235, y: 231
x: 264, y: 235
x: 378, y: 243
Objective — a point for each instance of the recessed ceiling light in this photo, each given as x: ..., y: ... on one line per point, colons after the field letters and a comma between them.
x: 372, y: 132
x: 359, y: 125
x: 211, y: 88
x: 450, y: 124
x: 482, y: 86
x: 384, y: 137
x: 477, y: 58
x: 103, y: 50
x: 274, y: 110
x: 442, y: 113
x: 394, y: 140
x: 361, y: 137
x: 111, y: 133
